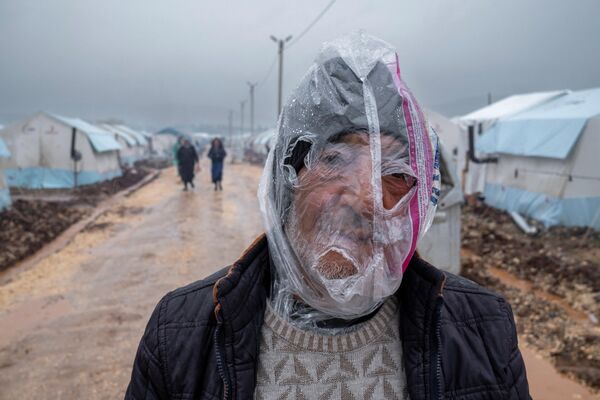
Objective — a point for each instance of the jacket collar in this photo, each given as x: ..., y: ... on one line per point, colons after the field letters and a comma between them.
x: 244, y: 289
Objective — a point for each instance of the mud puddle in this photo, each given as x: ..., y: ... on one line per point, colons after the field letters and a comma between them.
x: 526, y: 286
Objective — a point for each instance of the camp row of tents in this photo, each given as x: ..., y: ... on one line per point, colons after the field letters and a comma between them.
x: 535, y: 154
x: 49, y: 151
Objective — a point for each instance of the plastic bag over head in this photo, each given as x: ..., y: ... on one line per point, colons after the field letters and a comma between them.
x: 350, y: 186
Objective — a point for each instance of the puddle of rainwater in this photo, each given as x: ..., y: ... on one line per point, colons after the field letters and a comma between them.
x: 526, y: 286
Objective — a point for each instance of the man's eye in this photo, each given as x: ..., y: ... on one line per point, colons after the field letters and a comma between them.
x: 405, y: 179
x: 332, y: 158
x: 395, y: 187
x: 409, y: 180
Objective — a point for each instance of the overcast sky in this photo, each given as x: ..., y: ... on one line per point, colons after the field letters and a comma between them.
x: 178, y: 62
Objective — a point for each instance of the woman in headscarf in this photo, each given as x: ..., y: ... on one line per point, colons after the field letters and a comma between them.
x: 187, y: 161
x: 217, y: 155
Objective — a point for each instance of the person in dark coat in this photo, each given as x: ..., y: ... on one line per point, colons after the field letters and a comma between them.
x: 187, y: 162
x: 178, y: 143
x: 333, y: 302
x: 217, y: 155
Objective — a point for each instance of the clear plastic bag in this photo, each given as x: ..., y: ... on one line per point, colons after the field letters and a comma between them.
x: 350, y: 185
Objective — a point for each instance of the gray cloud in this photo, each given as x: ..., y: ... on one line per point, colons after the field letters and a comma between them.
x: 187, y: 62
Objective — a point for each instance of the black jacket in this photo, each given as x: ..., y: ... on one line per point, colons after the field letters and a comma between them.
x: 202, y: 340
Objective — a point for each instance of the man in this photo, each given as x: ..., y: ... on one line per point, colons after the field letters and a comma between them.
x: 334, y: 303
x: 187, y: 161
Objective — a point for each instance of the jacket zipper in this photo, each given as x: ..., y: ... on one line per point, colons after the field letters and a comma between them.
x: 435, y: 373
x: 436, y: 389
x: 220, y: 362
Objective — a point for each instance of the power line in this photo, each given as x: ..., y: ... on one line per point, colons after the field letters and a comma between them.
x: 305, y: 31
x: 264, y: 79
x: 297, y: 38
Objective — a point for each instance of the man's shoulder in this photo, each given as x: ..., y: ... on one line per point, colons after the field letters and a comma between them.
x: 190, y: 304
x: 460, y: 284
x: 470, y: 301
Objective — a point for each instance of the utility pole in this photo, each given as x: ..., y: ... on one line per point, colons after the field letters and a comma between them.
x: 489, y: 98
x: 280, y: 45
x: 242, y: 104
x: 252, y: 86
x: 230, y: 126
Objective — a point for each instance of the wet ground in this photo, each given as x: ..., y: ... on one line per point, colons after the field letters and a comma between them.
x: 551, y: 279
x: 37, y: 217
x: 71, y: 321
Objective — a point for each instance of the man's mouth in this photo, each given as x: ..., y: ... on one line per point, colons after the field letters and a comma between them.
x: 333, y: 264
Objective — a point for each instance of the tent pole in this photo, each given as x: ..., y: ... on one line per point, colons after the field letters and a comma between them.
x: 75, y: 155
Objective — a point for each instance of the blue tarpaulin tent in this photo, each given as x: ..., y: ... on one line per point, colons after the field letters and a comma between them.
x: 51, y: 151
x: 4, y: 191
x: 547, y: 166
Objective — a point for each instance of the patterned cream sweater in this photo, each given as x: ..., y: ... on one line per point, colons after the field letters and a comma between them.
x: 363, y: 364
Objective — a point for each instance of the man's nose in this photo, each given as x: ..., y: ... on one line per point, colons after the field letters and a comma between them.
x: 359, y: 192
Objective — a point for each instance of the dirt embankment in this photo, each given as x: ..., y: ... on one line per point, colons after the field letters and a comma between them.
x: 553, y: 285
x: 38, y: 216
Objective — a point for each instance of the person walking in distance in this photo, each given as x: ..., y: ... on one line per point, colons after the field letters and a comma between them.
x: 217, y: 154
x: 187, y: 160
x: 178, y: 143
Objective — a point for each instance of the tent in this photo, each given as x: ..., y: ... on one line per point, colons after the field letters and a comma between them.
x: 4, y: 191
x: 202, y: 140
x: 452, y: 137
x: 547, y: 161
x: 257, y: 147
x: 134, y: 145
x: 162, y: 145
x: 129, y: 153
x: 483, y: 119
x: 441, y: 244
x: 150, y: 138
x: 141, y: 140
x: 164, y: 142
x: 51, y: 151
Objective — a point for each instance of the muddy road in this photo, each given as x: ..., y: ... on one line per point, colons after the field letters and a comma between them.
x: 70, y: 323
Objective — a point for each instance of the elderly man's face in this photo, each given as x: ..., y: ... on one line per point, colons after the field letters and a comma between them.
x: 336, y: 197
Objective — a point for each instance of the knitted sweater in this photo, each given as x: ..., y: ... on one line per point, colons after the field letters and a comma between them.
x: 365, y: 363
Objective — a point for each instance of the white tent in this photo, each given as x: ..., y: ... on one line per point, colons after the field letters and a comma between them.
x: 51, y: 151
x: 441, y: 244
x: 201, y: 140
x: 130, y: 151
x: 263, y: 142
x: 134, y: 145
x: 257, y: 147
x: 150, y: 138
x: 164, y: 141
x: 452, y: 137
x: 4, y: 191
x: 547, y: 161
x: 141, y: 140
x: 483, y: 119
x: 236, y: 145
